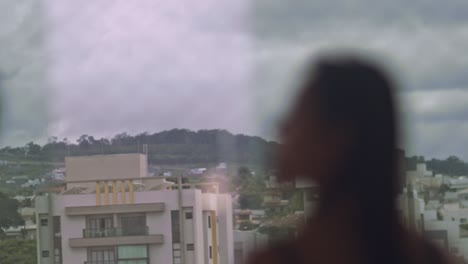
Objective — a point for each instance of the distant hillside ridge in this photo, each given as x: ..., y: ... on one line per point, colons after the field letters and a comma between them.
x: 184, y: 146
x: 175, y: 146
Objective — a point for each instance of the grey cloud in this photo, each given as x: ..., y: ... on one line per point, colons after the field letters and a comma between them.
x: 23, y: 65
x: 290, y: 18
x: 438, y: 105
x: 439, y: 139
x: 422, y: 42
x: 148, y: 66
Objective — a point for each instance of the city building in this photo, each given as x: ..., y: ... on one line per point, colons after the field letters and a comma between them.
x: 57, y: 174
x: 112, y: 212
x: 310, y: 196
x: 423, y: 179
x: 273, y: 201
x: 454, y: 212
x: 411, y: 209
x: 457, y: 183
x: 255, y: 217
x: 444, y: 233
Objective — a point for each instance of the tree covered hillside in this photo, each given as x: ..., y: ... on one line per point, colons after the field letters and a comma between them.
x: 177, y: 146
x: 183, y: 146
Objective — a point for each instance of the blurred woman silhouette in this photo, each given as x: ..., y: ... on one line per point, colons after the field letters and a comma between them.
x: 342, y: 134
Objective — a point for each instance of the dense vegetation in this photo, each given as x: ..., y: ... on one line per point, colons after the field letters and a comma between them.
x: 177, y: 146
x: 182, y: 146
x: 9, y: 215
x: 16, y: 251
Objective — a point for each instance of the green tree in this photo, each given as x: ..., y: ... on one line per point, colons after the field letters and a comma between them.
x: 15, y: 251
x: 32, y: 149
x: 9, y: 212
x: 247, y: 226
x: 250, y: 200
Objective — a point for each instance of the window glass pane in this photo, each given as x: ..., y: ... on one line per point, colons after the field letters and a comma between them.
x: 175, y: 226
x: 140, y: 261
x: 188, y: 215
x: 129, y: 252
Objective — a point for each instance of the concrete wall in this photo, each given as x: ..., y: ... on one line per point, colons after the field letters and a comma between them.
x: 247, y: 242
x: 430, y: 215
x: 207, y: 236
x: 411, y: 209
x: 452, y: 228
x: 198, y: 224
x: 463, y: 248
x: 456, y: 215
x: 102, y: 167
x: 160, y: 223
x: 43, y: 233
x: 225, y: 229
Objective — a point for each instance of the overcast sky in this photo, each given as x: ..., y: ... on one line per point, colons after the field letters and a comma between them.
x: 102, y: 67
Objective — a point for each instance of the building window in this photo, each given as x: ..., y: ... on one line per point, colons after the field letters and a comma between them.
x: 99, y: 226
x: 101, y: 255
x: 462, y: 220
x: 188, y: 215
x: 190, y: 247
x: 175, y: 226
x: 56, y: 226
x: 209, y: 221
x: 211, y: 253
x: 44, y: 222
x: 45, y: 253
x: 137, y: 254
x: 175, y: 229
x: 133, y: 225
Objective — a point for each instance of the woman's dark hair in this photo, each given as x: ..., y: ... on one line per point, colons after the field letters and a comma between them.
x: 358, y: 94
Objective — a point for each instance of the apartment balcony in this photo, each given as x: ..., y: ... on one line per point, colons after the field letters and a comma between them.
x: 135, y: 235
x: 110, y: 209
x: 101, y: 262
x: 116, y: 232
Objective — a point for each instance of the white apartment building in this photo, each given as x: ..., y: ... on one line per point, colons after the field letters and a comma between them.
x: 111, y: 212
x: 444, y: 233
x: 411, y: 209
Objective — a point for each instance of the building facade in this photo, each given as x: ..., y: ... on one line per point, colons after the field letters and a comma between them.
x: 122, y: 216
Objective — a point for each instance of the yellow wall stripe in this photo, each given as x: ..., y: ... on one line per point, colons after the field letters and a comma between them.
x: 214, y: 233
x: 114, y: 192
x: 122, y: 192
x: 130, y: 189
x: 106, y: 193
x: 98, y: 193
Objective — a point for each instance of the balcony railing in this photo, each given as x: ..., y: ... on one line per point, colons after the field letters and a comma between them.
x: 116, y: 231
x: 101, y: 262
